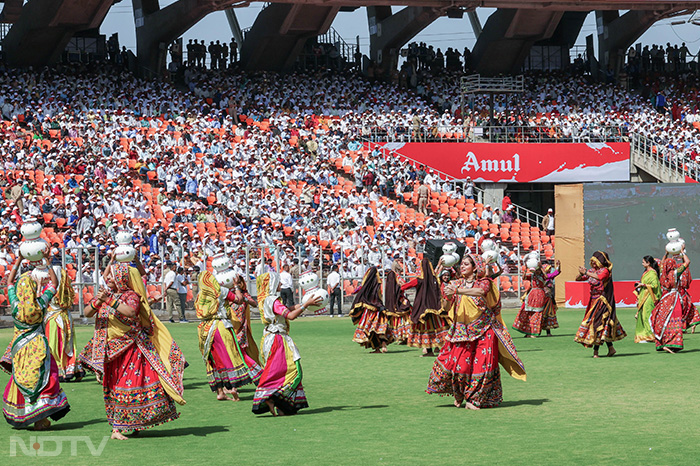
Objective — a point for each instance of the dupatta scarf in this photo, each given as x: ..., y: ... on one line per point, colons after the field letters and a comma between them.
x: 275, y: 325
x: 369, y: 296
x: 601, y: 260
x: 207, y: 303
x: 27, y: 357
x: 211, y: 305
x: 395, y: 299
x: 668, y: 277
x: 650, y: 291
x: 268, y: 284
x: 428, y: 294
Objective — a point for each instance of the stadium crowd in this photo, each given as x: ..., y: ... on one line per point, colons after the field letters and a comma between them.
x: 233, y: 160
x: 93, y: 153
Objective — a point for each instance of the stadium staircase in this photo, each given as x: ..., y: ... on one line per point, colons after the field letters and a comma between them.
x: 525, y: 215
x: 659, y: 161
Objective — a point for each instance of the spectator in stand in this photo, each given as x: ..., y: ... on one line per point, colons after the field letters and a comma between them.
x: 487, y: 214
x: 548, y: 223
x: 469, y: 189
x: 506, y: 202
x: 496, y: 218
x: 233, y: 51
x: 423, y: 197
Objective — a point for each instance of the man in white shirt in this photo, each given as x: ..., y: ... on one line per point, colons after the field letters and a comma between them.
x: 172, y: 299
x: 180, y: 284
x: 286, y: 286
x: 548, y: 222
x: 333, y: 281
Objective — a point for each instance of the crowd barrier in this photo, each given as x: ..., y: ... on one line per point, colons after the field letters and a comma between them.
x: 84, y: 266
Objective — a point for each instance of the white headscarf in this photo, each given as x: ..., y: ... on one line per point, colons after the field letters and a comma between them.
x: 273, y: 295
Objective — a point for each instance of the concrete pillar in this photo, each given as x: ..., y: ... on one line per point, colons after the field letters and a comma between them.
x: 475, y: 22
x: 509, y: 34
x: 617, y: 33
x: 389, y: 32
x: 11, y: 11
x: 493, y: 194
x: 156, y: 28
x: 280, y: 32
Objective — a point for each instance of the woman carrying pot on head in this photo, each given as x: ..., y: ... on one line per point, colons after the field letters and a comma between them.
x: 33, y: 394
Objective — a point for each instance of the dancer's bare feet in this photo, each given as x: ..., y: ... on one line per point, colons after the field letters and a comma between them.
x: 375, y: 351
x: 427, y: 352
x: 42, y: 425
x: 611, y: 352
x: 384, y: 350
x: 694, y: 327
x: 280, y: 412
x: 458, y: 402
x: 234, y: 394
x: 271, y: 405
x: 595, y: 355
x: 531, y: 336
x: 470, y: 406
x: 669, y: 350
x: 116, y: 435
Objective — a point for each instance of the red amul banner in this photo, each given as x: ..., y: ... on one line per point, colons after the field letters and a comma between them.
x: 521, y: 163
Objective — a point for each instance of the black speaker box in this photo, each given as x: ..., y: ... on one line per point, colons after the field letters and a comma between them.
x: 433, y: 249
x: 455, y: 13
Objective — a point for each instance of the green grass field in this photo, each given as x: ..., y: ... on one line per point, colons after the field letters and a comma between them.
x: 638, y: 407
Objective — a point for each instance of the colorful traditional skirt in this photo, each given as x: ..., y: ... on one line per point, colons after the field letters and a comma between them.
x: 468, y: 370
x: 532, y: 322
x: 642, y: 332
x: 535, y: 300
x: 280, y: 380
x: 667, y: 322
x: 227, y: 365
x: 429, y: 332
x: 51, y: 402
x: 597, y: 326
x: 528, y: 322
x: 372, y: 329
x: 691, y: 318
x: 399, y: 328
x: 60, y: 333
x: 134, y: 396
x: 84, y: 357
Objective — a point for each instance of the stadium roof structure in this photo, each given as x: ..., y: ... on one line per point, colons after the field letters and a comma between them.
x: 42, y: 28
x: 556, y: 5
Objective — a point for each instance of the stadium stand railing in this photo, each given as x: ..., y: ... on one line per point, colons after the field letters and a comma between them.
x: 661, y: 162
x: 497, y: 134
